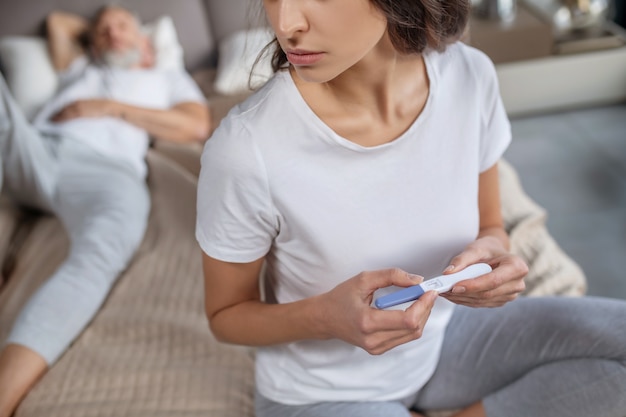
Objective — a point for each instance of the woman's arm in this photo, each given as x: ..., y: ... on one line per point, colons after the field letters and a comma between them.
x: 506, y: 281
x: 184, y: 122
x: 64, y: 31
x: 490, y: 211
x: 237, y: 315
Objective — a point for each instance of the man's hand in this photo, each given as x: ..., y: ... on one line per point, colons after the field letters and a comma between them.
x: 347, y: 314
x: 86, y: 108
x: 494, y: 289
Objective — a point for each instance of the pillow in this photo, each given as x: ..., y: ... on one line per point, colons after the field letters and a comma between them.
x: 237, y: 54
x: 169, y: 52
x: 29, y: 72
x: 33, y: 80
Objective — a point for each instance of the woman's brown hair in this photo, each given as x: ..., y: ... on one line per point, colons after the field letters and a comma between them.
x: 413, y: 25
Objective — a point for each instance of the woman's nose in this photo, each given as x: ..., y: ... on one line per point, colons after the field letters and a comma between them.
x: 290, y: 18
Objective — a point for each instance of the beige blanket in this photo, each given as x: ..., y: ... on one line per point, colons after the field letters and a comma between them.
x: 149, y: 351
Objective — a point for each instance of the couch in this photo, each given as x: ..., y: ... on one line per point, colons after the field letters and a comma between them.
x: 149, y: 351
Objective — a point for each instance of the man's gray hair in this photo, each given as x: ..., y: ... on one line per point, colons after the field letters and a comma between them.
x: 115, y: 4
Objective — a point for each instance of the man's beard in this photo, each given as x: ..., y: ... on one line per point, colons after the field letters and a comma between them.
x: 126, y: 59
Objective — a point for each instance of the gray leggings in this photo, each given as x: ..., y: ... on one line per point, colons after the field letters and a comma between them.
x: 102, y: 203
x: 534, y: 357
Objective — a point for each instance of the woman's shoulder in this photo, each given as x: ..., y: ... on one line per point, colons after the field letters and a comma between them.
x: 461, y: 50
x: 255, y: 118
x: 263, y: 106
x: 462, y: 61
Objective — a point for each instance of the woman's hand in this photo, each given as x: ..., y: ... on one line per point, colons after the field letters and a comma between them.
x: 494, y: 289
x: 347, y: 314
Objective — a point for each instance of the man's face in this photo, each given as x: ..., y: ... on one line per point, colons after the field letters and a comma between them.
x: 117, y: 33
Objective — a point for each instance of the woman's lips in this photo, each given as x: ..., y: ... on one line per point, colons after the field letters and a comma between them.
x: 304, y: 57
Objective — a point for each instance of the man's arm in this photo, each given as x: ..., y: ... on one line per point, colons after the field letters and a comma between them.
x: 64, y: 32
x: 184, y: 122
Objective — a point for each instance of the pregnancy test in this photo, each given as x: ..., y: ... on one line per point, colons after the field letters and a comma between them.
x: 441, y: 284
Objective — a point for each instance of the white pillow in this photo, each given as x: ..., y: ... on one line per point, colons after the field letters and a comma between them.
x: 237, y: 55
x: 169, y: 52
x: 33, y: 80
x: 28, y: 71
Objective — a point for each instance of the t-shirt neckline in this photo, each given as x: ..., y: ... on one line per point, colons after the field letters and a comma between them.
x: 310, y: 115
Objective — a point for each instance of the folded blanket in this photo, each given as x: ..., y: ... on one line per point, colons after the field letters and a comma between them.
x: 551, y: 271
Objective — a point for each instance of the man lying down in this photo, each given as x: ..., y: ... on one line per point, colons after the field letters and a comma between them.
x: 83, y: 159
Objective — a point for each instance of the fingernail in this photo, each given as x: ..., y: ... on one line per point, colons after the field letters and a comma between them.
x: 458, y: 290
x: 449, y: 268
x: 416, y: 278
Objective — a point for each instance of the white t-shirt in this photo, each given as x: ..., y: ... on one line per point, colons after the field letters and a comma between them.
x: 277, y: 181
x: 151, y: 88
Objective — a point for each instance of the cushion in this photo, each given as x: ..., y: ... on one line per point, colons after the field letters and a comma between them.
x: 237, y: 54
x: 28, y: 71
x: 33, y: 80
x: 169, y: 52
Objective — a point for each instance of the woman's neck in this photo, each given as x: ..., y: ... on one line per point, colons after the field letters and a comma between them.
x: 374, y: 101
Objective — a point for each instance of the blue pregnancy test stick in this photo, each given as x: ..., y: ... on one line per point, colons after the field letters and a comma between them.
x: 441, y: 284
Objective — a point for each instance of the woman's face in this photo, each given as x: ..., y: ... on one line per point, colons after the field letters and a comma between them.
x: 324, y: 38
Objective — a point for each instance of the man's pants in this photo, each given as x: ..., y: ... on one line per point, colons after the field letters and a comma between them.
x: 102, y: 203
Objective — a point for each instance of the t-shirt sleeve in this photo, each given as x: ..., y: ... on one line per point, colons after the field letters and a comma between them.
x: 74, y: 71
x: 235, y: 220
x: 183, y: 88
x: 495, y: 126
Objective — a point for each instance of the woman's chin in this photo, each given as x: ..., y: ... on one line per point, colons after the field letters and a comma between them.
x: 313, y: 74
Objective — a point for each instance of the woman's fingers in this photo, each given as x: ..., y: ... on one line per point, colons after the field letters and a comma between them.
x: 494, y: 298
x: 352, y: 319
x: 500, y: 286
x: 373, y: 280
x: 503, y: 284
x: 481, y: 250
x: 386, y: 329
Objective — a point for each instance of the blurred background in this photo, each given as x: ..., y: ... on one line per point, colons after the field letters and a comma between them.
x: 562, y: 71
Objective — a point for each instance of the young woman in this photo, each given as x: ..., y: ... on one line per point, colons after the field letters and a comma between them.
x: 369, y: 159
